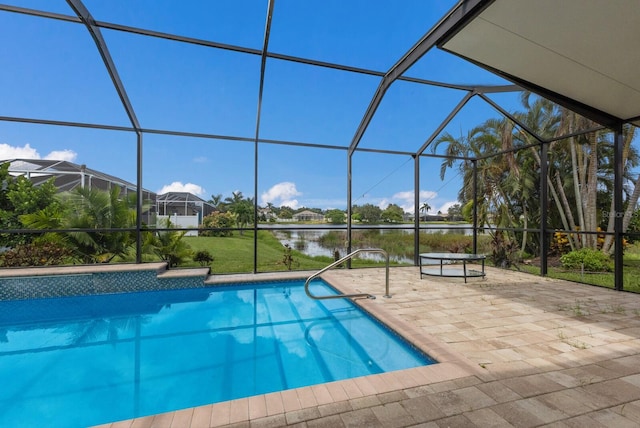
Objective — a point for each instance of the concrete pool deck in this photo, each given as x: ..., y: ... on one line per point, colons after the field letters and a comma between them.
x: 514, y: 350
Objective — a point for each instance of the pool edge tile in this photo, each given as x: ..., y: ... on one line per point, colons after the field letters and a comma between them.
x: 182, y: 418
x: 274, y: 403
x: 220, y: 414
x: 290, y: 400
x: 201, y: 416
x: 238, y: 410
x: 257, y: 407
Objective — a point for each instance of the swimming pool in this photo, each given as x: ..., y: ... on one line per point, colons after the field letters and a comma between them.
x: 87, y: 360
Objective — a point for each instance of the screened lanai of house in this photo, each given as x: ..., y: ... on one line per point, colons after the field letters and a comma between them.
x: 358, y: 95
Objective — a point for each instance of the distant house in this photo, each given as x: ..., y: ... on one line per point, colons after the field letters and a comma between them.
x: 183, y: 203
x: 266, y: 214
x: 183, y: 210
x: 307, y: 215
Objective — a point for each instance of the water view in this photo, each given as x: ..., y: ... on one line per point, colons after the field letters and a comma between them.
x: 312, y: 240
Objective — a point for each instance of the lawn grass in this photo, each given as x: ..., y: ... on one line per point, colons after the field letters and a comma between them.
x: 234, y: 254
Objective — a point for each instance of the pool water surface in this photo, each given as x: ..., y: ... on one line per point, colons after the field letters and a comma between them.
x: 89, y: 360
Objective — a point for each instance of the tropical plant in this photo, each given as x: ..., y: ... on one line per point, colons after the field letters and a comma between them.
x: 217, y: 202
x: 18, y: 196
x: 579, y: 174
x: 93, y: 218
x: 503, y: 250
x: 167, y: 245
x: 287, y: 257
x: 455, y: 212
x: 203, y: 257
x: 35, y: 254
x: 588, y: 259
x: 424, y: 208
x: 242, y: 208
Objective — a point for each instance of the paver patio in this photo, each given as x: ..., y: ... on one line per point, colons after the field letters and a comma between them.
x: 516, y: 350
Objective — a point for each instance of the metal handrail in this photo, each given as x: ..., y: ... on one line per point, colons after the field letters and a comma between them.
x: 339, y: 262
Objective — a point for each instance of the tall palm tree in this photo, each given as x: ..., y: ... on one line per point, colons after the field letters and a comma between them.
x: 425, y: 207
x: 242, y: 208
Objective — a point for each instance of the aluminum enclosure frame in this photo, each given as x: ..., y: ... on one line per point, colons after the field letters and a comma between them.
x: 450, y: 25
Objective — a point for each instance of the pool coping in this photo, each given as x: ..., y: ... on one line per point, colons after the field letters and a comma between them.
x: 450, y: 365
x: 159, y: 267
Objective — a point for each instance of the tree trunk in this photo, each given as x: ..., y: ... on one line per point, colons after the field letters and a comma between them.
x: 591, y: 215
x: 607, y: 246
x: 567, y: 209
x: 575, y: 170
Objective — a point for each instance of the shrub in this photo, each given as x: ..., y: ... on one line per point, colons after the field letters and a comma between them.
x: 287, y: 258
x: 587, y: 258
x: 35, y: 254
x: 218, y: 220
x: 203, y: 257
x: 560, y: 243
x: 503, y: 250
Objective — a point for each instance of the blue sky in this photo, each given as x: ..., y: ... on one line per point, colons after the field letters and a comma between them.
x: 52, y: 71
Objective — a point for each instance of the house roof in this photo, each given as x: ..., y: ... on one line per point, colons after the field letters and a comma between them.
x: 180, y: 197
x: 307, y: 212
x: 67, y: 175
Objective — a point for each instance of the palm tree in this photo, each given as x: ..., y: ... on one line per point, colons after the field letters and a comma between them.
x: 216, y: 201
x: 87, y: 209
x: 242, y: 208
x: 167, y: 245
x: 425, y: 207
x: 579, y: 175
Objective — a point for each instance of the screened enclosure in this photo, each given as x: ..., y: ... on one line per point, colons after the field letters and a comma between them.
x: 501, y: 127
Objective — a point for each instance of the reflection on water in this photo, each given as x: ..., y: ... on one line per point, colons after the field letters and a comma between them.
x: 307, y: 241
x: 88, y: 360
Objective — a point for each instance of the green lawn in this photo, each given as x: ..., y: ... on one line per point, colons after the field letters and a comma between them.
x: 234, y: 254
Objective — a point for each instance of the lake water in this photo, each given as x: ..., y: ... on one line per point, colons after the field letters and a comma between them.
x: 305, y: 238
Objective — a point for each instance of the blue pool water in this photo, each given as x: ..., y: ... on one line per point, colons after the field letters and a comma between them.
x: 78, y: 361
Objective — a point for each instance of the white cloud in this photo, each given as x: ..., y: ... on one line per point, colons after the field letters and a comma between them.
x: 291, y: 203
x: 200, y: 159
x: 63, y: 155
x: 408, y: 195
x: 28, y: 152
x: 281, y: 194
x: 383, y: 204
x: 427, y: 194
x: 406, y: 201
x: 445, y: 207
x: 11, y: 152
x: 177, y: 186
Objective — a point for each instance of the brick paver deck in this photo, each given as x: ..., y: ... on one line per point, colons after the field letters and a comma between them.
x: 516, y: 350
